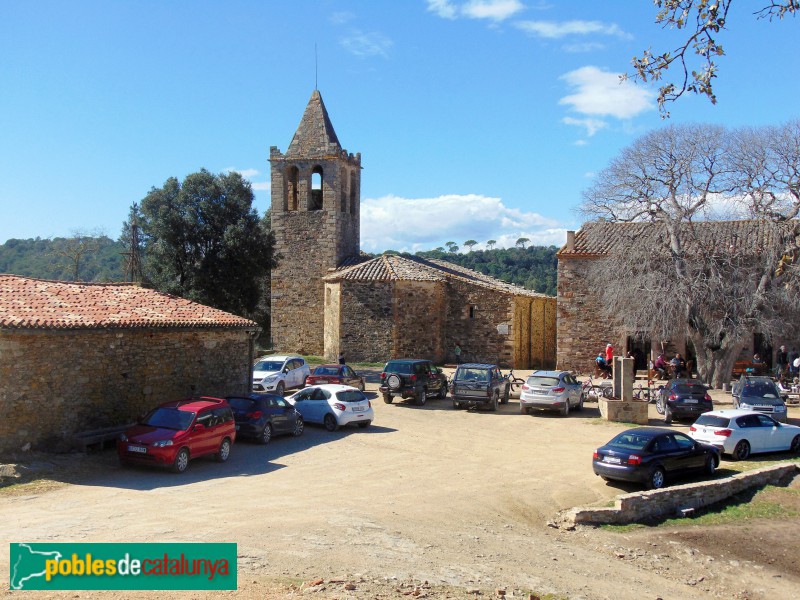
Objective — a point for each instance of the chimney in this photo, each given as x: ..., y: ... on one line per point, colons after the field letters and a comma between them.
x: 570, y: 241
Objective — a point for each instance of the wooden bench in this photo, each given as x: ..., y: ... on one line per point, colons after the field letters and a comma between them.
x: 742, y: 367
x: 98, y: 437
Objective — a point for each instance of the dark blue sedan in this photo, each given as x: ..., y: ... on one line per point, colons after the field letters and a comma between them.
x: 261, y: 416
x: 650, y: 455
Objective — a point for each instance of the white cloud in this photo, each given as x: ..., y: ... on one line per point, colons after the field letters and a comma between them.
x: 601, y: 93
x: 557, y: 30
x: 364, y: 44
x: 495, y: 10
x: 584, y: 47
x: 246, y: 173
x: 340, y: 18
x: 592, y: 126
x: 412, y: 224
x: 261, y: 186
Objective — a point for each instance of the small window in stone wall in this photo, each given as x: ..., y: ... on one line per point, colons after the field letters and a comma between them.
x: 472, y: 309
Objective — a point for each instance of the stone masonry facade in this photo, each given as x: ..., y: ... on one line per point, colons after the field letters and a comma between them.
x: 57, y: 383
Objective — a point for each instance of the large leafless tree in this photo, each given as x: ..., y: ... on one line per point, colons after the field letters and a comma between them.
x: 670, y: 274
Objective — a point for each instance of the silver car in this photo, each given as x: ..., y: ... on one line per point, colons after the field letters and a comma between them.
x: 551, y: 390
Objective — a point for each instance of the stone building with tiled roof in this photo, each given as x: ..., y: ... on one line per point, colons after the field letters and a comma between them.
x: 328, y: 298
x: 78, y: 356
x: 583, y: 331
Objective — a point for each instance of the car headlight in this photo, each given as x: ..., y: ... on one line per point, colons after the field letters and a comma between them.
x: 270, y: 379
x: 162, y: 443
x: 780, y: 409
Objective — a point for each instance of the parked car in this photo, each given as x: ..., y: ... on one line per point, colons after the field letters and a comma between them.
x: 412, y: 378
x: 279, y: 373
x: 650, y: 455
x: 477, y: 384
x: 175, y: 432
x: 760, y: 394
x: 551, y: 390
x: 741, y: 433
x: 683, y: 399
x: 341, y: 374
x: 333, y: 406
x: 261, y: 416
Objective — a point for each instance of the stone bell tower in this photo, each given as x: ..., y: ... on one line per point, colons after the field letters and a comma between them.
x: 315, y: 213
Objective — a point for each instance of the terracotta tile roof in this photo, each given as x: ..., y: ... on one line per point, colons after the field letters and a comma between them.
x: 27, y: 303
x: 597, y: 238
x: 392, y: 267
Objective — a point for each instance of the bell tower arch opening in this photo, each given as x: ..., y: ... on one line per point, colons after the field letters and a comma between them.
x: 315, y: 200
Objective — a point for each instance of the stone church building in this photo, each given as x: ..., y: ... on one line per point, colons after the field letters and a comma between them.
x: 327, y: 297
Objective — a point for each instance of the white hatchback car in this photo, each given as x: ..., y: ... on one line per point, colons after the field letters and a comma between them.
x: 744, y: 432
x: 279, y: 373
x: 333, y: 406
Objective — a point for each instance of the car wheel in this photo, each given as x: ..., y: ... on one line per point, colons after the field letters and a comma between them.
x: 443, y: 391
x: 181, y: 461
x: 795, y: 447
x: 565, y: 410
x: 361, y: 385
x: 506, y: 394
x: 712, y: 462
x: 660, y: 405
x: 742, y: 450
x: 456, y: 405
x: 421, y: 397
x: 299, y: 426
x: 364, y: 424
x: 667, y: 415
x: 224, y: 451
x: 387, y: 398
x: 280, y: 388
x: 580, y: 402
x: 656, y: 479
x: 493, y: 401
x: 330, y: 422
x: 266, y: 435
x: 394, y: 381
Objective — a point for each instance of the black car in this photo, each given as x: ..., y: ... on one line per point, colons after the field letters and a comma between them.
x: 649, y: 455
x: 412, y: 378
x: 261, y: 416
x: 478, y: 384
x: 683, y: 399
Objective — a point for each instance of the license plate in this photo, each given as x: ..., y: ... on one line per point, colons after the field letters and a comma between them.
x: 612, y: 460
x: 358, y: 409
x: 140, y: 449
x: 690, y: 401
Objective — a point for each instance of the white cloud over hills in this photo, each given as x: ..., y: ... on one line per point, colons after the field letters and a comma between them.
x: 413, y: 224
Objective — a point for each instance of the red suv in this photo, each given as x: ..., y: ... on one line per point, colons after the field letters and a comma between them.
x: 174, y: 432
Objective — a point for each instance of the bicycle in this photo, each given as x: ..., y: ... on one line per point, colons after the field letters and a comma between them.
x: 593, y: 392
x: 515, y: 382
x: 651, y: 394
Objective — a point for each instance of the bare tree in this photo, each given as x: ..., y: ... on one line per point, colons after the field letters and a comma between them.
x: 703, y: 21
x: 71, y: 251
x: 671, y: 273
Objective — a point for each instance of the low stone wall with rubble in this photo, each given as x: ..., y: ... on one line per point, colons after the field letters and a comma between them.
x: 640, y: 507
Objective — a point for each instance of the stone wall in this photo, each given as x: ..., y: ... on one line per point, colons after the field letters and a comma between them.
x: 53, y: 384
x: 641, y: 507
x: 363, y: 313
x: 419, y: 320
x: 478, y: 319
x: 582, y: 330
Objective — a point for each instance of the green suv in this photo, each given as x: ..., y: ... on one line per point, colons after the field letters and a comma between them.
x: 412, y: 378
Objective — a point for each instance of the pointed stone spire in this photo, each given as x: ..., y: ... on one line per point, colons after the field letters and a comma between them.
x: 315, y: 137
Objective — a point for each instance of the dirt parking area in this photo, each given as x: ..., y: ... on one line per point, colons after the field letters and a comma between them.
x: 428, y: 502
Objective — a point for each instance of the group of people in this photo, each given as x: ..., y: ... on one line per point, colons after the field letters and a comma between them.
x: 674, y: 367
x: 604, y: 361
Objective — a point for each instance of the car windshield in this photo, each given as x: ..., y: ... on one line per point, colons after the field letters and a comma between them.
x: 761, y: 390
x: 350, y: 396
x: 169, y: 418
x: 404, y: 368
x: 472, y: 375
x: 241, y: 403
x: 690, y: 388
x: 268, y: 365
x: 631, y: 441
x: 712, y: 421
x: 542, y: 381
x: 326, y: 371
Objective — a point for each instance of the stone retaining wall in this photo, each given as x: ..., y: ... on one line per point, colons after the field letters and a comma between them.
x: 643, y: 506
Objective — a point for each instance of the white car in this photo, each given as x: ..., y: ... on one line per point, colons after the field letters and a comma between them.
x: 279, y: 373
x: 333, y: 406
x: 744, y: 432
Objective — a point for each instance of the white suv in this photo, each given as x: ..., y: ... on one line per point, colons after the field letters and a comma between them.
x: 279, y: 373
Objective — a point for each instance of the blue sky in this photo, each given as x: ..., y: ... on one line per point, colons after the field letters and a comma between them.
x: 478, y: 119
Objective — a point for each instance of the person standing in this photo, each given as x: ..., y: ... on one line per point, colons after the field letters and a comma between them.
x: 782, y: 361
x: 609, y: 356
x: 457, y: 352
x: 341, y: 358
